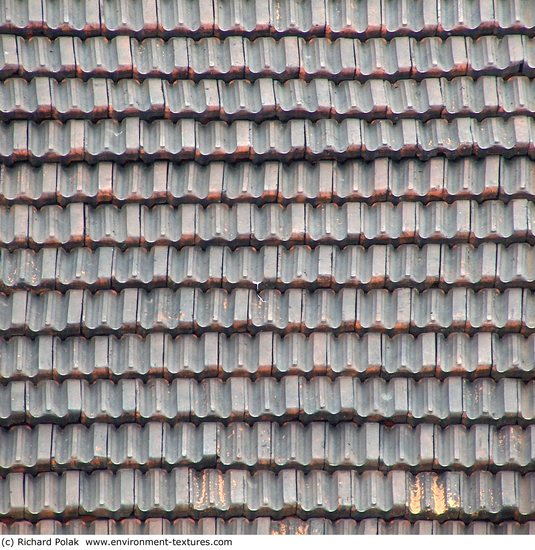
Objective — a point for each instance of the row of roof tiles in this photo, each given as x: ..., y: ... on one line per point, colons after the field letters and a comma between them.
x: 264, y: 526
x: 135, y: 139
x: 97, y: 98
x: 325, y: 266
x: 267, y: 354
x: 326, y: 181
x: 246, y: 224
x: 267, y: 446
x: 401, y: 400
x: 236, y: 57
x: 241, y: 310
x: 184, y: 492
x: 277, y: 17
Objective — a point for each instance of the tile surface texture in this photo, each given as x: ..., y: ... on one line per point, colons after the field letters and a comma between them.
x: 267, y: 267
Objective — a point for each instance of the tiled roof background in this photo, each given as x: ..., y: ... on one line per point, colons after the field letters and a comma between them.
x: 267, y: 267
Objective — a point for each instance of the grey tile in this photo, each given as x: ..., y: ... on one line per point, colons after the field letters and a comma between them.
x: 241, y: 17
x: 137, y: 18
x: 185, y: 18
x: 40, y: 56
x: 465, y: 16
x: 102, y: 57
x: 79, y: 17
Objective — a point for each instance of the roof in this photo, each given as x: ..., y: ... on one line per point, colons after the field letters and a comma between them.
x: 267, y: 267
